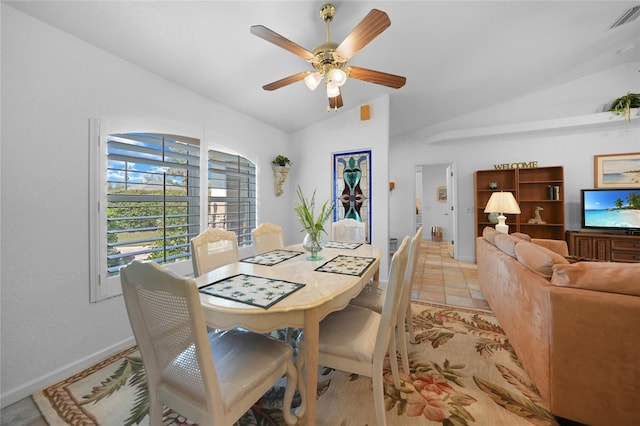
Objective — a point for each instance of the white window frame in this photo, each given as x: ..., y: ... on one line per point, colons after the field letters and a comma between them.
x: 101, y: 285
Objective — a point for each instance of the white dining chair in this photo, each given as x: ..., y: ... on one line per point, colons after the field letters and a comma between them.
x: 212, y: 378
x: 267, y: 237
x: 373, y: 297
x: 348, y: 230
x: 357, y: 339
x: 213, y: 248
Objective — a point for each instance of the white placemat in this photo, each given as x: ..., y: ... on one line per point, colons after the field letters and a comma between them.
x: 252, y: 290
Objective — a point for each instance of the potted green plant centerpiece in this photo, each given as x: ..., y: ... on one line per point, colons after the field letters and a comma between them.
x: 281, y: 166
x: 314, y: 226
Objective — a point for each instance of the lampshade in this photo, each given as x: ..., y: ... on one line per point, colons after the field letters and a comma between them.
x: 338, y: 76
x: 333, y: 89
x: 502, y: 202
x: 312, y: 80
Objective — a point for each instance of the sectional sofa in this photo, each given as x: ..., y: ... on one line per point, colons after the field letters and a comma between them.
x: 575, y: 326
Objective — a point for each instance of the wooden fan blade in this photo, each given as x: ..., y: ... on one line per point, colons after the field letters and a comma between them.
x: 336, y: 101
x: 285, y: 81
x: 275, y: 38
x: 377, y: 77
x: 373, y: 24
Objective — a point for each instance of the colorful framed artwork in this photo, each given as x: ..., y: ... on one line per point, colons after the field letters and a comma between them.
x: 441, y: 194
x: 352, y: 187
x: 617, y: 170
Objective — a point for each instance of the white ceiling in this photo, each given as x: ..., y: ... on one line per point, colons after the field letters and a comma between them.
x: 456, y: 55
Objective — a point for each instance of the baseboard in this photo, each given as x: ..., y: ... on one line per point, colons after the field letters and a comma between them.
x: 466, y: 259
x: 8, y: 397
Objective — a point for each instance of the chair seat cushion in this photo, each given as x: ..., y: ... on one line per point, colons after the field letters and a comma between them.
x: 370, y: 298
x: 350, y: 333
x: 244, y: 361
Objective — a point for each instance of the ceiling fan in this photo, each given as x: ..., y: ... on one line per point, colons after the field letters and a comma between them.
x: 329, y: 59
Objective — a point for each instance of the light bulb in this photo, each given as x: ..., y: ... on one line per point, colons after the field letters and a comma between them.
x: 313, y: 80
x: 333, y: 89
x: 338, y: 76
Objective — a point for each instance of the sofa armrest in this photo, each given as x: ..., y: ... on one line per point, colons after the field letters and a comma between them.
x: 559, y: 246
x: 595, y: 345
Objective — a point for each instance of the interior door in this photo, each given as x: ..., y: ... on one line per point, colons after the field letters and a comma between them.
x: 451, y: 206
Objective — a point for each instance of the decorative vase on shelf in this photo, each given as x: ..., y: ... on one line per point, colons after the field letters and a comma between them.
x: 314, y: 226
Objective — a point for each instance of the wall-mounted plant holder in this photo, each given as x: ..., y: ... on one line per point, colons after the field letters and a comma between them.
x: 279, y: 177
x: 281, y: 166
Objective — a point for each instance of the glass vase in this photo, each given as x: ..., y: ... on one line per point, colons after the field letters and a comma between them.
x: 313, y: 245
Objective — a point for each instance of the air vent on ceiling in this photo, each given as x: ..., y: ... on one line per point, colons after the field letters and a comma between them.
x: 626, y: 17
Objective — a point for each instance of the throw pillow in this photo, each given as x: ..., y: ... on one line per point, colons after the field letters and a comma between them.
x: 537, y: 258
x: 612, y: 277
x: 489, y: 234
x: 507, y: 243
x: 522, y: 236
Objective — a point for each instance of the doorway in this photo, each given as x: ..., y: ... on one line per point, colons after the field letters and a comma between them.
x: 435, y: 203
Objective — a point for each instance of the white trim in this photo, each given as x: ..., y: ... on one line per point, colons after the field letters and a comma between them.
x: 580, y: 121
x: 97, y: 219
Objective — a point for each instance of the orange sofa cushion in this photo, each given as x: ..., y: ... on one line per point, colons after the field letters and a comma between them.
x: 507, y: 243
x: 522, y: 236
x: 489, y: 234
x: 623, y: 278
x: 538, y: 258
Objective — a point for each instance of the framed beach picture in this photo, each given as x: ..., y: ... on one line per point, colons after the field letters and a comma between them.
x: 617, y: 170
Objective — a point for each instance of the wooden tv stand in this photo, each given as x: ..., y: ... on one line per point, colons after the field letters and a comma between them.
x: 606, y: 247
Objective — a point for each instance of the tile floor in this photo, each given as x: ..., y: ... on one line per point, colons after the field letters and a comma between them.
x: 438, y: 278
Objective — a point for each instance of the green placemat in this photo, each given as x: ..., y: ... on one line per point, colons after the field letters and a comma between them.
x: 252, y: 290
x: 347, y: 265
x: 272, y: 257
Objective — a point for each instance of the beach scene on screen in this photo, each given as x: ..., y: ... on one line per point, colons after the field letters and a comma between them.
x: 612, y: 208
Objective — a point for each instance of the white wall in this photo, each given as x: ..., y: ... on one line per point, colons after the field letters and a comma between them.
x: 572, y: 148
x: 314, y: 147
x: 52, y: 84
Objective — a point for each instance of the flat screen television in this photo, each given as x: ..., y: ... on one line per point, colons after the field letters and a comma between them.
x: 611, y: 210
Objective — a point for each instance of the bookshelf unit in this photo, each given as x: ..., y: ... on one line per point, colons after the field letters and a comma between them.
x: 530, y: 187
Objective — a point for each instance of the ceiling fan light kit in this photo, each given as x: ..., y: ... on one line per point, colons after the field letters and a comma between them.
x: 312, y: 80
x: 329, y: 59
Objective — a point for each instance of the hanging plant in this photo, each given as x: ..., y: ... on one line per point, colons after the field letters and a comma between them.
x: 623, y: 105
x: 282, y: 161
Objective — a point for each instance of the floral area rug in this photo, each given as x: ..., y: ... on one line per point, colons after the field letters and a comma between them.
x: 463, y: 371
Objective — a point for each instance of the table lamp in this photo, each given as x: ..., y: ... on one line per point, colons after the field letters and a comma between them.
x: 502, y: 202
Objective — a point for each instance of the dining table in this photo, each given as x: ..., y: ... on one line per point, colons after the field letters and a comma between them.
x: 284, y: 289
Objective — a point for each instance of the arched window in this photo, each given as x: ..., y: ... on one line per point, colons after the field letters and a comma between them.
x: 156, y: 199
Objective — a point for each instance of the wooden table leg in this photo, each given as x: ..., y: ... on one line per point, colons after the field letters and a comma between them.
x: 311, y: 333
